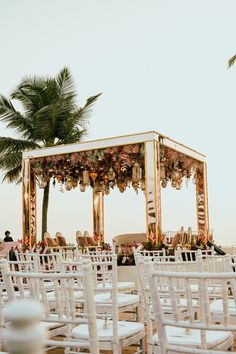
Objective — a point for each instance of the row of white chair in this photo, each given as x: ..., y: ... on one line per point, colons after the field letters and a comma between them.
x: 85, y: 288
x: 178, y: 295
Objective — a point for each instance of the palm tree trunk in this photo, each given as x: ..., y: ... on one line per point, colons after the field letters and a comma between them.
x: 45, y: 209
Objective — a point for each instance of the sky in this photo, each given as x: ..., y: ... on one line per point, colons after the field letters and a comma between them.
x: 161, y: 65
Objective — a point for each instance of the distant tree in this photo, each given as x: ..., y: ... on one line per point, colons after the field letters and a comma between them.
x: 231, y: 61
x: 50, y: 117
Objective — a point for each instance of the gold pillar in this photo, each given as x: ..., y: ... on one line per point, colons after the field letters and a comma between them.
x: 202, y: 204
x: 152, y: 191
x: 29, y: 204
x: 98, y: 216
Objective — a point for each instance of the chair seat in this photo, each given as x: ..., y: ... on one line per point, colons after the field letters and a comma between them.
x: 77, y: 295
x: 122, y: 285
x: 122, y: 299
x: 125, y: 330
x: 181, y: 303
x: 178, y: 336
x: 50, y: 325
x: 211, y: 289
x: 216, y: 307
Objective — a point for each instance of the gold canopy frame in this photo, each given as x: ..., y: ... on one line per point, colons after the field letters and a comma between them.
x: 153, y: 144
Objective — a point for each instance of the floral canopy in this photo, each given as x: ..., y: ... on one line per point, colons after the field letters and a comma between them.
x: 119, y: 166
x: 146, y: 161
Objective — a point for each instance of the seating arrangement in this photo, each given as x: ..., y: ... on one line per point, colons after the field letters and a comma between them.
x: 186, y: 303
x: 81, y: 298
x: 57, y: 243
x: 85, y: 242
x: 201, y: 334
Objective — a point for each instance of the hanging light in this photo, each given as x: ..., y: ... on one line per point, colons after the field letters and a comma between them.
x: 162, y: 172
x: 164, y: 183
x: 98, y: 187
x: 69, y: 183
x: 42, y: 182
x: 82, y: 187
x: 175, y: 178
x: 59, y: 178
x: 111, y: 174
x: 136, y: 172
x: 122, y: 186
x: 174, y: 183
x: 107, y: 189
x: 143, y: 185
x: 86, y: 180
x: 175, y: 175
x: 75, y: 183
x: 93, y: 175
x: 106, y: 179
x: 179, y: 183
x: 135, y: 185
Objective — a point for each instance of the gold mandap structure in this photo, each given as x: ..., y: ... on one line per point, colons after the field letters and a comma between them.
x: 145, y: 161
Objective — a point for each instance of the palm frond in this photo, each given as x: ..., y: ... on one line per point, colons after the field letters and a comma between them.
x: 50, y: 120
x: 13, y: 175
x: 29, y: 92
x: 90, y: 101
x: 14, y: 119
x: 73, y: 136
x: 231, y: 61
x: 10, y: 161
x: 51, y: 116
x: 66, y: 85
x: 9, y: 145
x: 81, y: 115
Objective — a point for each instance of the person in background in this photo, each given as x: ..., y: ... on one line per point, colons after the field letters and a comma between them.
x: 7, y: 237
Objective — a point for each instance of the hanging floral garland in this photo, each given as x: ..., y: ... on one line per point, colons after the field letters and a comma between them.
x: 102, y: 169
x: 175, y: 167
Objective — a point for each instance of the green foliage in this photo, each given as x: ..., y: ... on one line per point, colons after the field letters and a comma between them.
x: 151, y: 246
x: 231, y: 61
x: 50, y: 117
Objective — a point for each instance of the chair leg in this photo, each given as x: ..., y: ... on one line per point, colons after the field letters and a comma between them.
x: 150, y: 348
x: 141, y: 345
x: 116, y: 349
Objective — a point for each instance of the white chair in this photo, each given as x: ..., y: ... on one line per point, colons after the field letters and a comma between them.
x: 186, y: 255
x: 201, y: 335
x: 101, y: 256
x: 104, y: 269
x: 60, y: 303
x: 214, y: 263
x: 112, y: 333
x: 144, y: 265
x: 153, y: 254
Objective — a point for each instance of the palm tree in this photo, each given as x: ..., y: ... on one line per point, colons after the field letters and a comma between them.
x: 50, y: 117
x: 231, y: 61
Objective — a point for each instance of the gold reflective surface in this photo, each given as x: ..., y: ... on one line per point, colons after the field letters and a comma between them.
x: 98, y: 216
x: 202, y: 205
x: 25, y: 199
x: 29, y: 204
x: 152, y: 192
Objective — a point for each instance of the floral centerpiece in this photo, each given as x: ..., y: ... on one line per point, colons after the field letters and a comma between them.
x: 25, y: 246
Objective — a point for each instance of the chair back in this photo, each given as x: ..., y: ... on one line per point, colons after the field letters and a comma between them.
x: 153, y: 254
x: 61, y: 241
x: 215, y: 263
x: 57, y: 292
x: 177, y: 287
x: 186, y: 255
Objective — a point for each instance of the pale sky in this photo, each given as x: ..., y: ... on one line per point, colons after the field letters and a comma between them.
x: 161, y: 65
